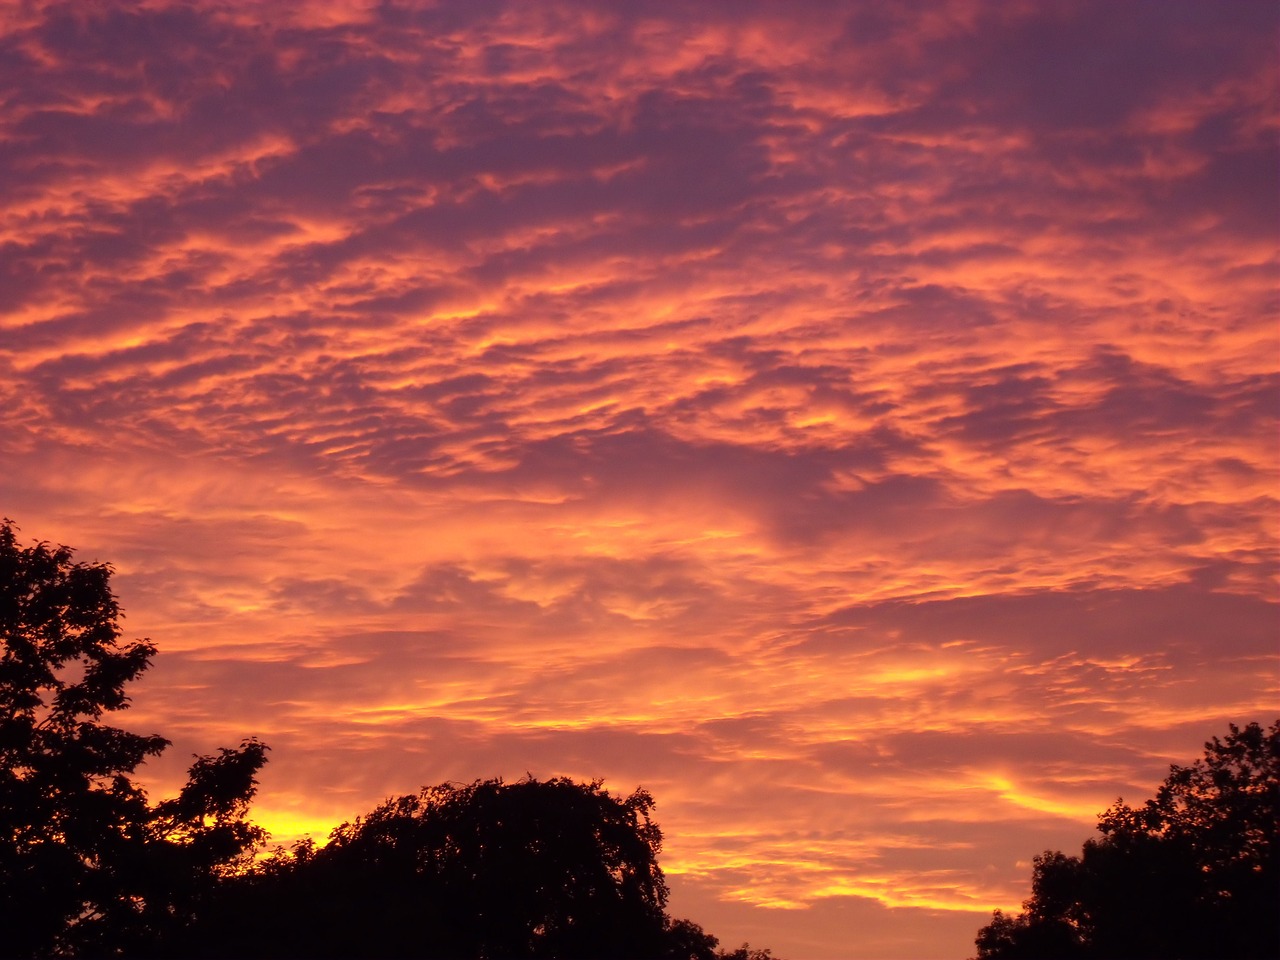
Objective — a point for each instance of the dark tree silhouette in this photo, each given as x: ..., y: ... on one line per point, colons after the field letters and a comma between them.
x: 87, y: 865
x: 1194, y: 872
x: 90, y: 867
x: 491, y: 869
x: 745, y: 952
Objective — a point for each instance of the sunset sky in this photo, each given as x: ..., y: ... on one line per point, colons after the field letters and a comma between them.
x: 855, y: 423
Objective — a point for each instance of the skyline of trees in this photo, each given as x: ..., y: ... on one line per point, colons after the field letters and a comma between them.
x: 535, y: 869
x: 89, y: 866
x: 1194, y: 872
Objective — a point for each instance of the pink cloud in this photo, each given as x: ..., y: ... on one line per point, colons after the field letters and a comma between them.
x: 852, y: 424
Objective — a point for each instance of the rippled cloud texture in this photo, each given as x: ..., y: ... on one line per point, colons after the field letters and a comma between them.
x: 855, y: 423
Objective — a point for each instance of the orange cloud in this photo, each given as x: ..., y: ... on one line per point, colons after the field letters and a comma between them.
x: 857, y: 427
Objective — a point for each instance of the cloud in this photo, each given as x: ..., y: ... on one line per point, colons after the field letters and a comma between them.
x: 855, y: 424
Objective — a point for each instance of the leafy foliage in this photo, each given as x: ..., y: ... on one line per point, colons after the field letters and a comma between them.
x: 87, y: 865
x: 90, y: 867
x: 745, y: 952
x: 1193, y: 872
x: 490, y: 869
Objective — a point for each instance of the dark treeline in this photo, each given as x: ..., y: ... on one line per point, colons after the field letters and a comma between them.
x: 90, y: 867
x: 527, y: 869
x: 1194, y: 873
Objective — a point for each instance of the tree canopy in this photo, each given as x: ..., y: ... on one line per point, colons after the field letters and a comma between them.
x: 87, y: 865
x: 90, y: 867
x: 489, y: 869
x: 1193, y: 872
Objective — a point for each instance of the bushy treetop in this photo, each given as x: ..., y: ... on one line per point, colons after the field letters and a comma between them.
x: 1193, y: 872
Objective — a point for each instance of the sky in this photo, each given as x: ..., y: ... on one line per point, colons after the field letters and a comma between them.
x: 854, y: 423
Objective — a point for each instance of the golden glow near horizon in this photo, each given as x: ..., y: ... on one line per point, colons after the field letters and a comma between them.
x: 858, y: 428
